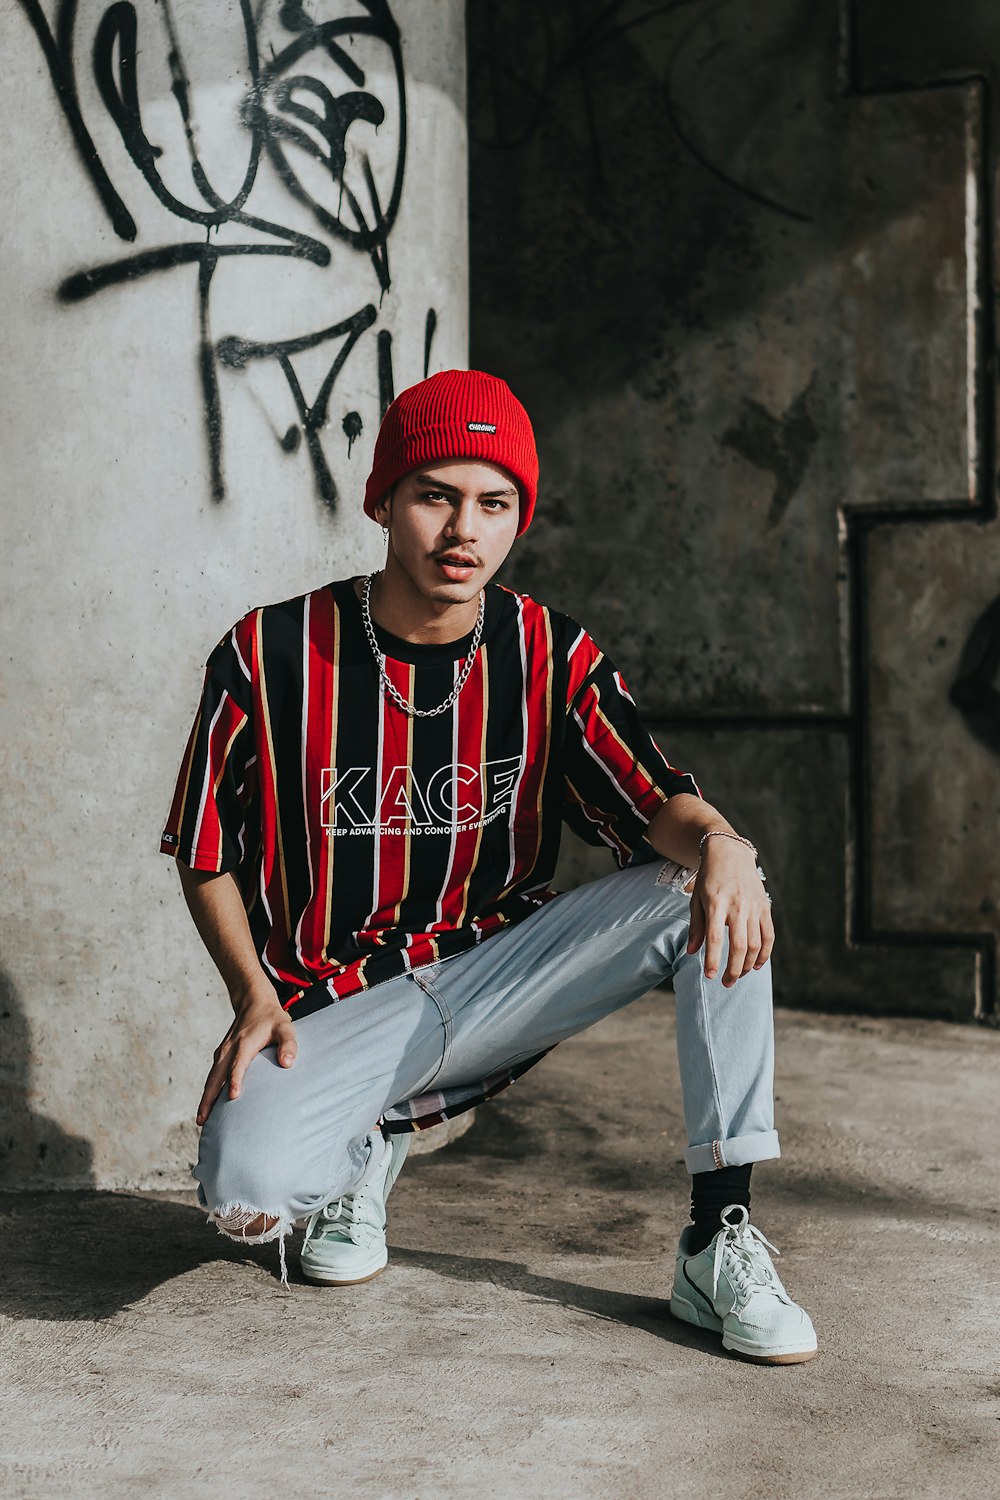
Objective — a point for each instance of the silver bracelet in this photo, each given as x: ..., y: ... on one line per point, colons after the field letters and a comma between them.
x: 727, y: 835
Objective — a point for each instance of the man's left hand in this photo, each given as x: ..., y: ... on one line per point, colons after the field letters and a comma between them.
x: 729, y: 893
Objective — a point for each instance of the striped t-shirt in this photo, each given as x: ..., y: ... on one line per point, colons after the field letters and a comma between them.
x: 368, y: 842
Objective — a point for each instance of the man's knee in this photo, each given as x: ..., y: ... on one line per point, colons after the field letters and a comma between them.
x: 244, y: 1196
x: 258, y: 1190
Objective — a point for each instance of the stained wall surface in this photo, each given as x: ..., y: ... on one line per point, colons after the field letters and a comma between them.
x: 737, y: 262
x: 218, y: 278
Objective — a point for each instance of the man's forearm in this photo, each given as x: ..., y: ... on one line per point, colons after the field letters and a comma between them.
x: 216, y: 906
x: 676, y: 829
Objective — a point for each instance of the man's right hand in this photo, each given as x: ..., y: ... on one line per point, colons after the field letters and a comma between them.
x: 259, y: 1021
x: 215, y: 903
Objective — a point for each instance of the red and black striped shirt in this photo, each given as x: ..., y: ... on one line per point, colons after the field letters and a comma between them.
x: 368, y: 842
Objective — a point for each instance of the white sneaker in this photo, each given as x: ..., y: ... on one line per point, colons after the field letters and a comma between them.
x: 345, y: 1240
x: 732, y: 1287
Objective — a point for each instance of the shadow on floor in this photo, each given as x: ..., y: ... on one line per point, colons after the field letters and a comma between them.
x: 647, y: 1313
x: 83, y: 1255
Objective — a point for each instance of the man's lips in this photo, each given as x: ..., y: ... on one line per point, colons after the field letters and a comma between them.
x: 455, y: 560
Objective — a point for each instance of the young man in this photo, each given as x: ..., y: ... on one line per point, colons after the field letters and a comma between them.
x: 366, y: 822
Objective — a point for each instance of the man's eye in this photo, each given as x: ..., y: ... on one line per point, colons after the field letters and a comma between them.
x: 432, y: 495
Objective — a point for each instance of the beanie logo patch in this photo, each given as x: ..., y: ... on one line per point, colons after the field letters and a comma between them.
x: 481, y: 426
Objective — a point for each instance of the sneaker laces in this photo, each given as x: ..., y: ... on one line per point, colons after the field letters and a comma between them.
x: 345, y: 1218
x: 339, y: 1219
x: 747, y: 1262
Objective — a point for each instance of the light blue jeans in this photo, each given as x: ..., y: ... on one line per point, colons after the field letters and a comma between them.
x: 300, y: 1137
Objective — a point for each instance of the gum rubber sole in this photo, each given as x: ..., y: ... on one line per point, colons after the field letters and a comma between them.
x: 773, y: 1359
x: 334, y: 1281
x: 686, y: 1312
x: 321, y: 1278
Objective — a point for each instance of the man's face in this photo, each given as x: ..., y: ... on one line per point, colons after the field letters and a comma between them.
x: 451, y: 510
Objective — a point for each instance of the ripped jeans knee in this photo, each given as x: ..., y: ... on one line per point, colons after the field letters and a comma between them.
x: 236, y: 1220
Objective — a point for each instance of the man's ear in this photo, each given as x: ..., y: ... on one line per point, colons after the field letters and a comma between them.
x: 383, y: 508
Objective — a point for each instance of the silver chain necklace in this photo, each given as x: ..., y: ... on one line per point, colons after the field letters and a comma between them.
x: 423, y: 713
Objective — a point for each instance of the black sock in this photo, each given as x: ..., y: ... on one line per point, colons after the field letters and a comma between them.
x: 711, y: 1192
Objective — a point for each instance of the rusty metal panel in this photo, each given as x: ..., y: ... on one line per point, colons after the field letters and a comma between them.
x: 737, y: 268
x: 934, y: 769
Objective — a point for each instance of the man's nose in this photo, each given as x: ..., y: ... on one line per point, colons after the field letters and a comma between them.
x: 462, y: 521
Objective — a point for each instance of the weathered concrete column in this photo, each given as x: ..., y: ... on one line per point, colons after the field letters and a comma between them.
x: 232, y: 232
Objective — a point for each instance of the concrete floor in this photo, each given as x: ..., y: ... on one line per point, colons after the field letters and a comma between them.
x: 519, y: 1345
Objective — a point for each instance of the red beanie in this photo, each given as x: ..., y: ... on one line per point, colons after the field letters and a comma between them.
x: 453, y: 415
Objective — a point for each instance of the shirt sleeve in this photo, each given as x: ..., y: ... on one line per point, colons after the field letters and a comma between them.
x: 615, y: 774
x: 216, y: 783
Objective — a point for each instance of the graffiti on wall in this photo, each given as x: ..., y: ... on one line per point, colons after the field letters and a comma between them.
x: 297, y: 154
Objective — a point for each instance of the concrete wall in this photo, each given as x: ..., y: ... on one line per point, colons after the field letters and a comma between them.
x: 206, y: 318
x: 736, y: 260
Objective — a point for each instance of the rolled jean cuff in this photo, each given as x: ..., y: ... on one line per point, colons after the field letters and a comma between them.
x: 737, y: 1151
